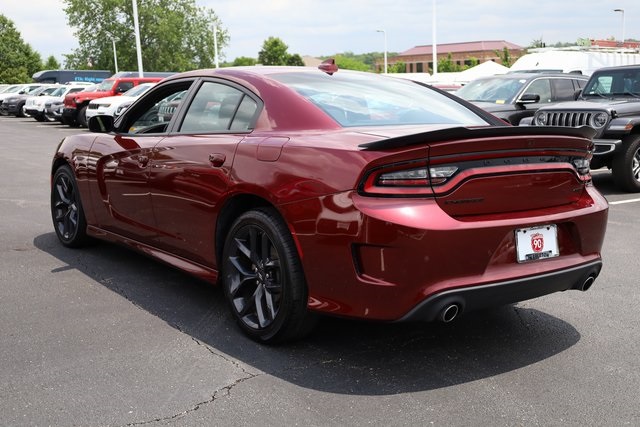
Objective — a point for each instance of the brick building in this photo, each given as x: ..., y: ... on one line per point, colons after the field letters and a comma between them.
x: 419, y: 59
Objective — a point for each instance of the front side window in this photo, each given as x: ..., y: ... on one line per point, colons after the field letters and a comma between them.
x: 540, y: 87
x: 124, y: 86
x: 155, y: 110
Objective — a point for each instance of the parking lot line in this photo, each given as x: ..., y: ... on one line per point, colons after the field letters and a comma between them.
x: 620, y: 202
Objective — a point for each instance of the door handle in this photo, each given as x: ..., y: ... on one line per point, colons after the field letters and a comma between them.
x: 217, y: 159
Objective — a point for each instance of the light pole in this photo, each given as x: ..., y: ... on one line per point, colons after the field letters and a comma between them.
x: 215, y: 46
x: 136, y: 28
x: 385, y: 49
x: 434, y: 50
x: 115, y: 55
x: 622, y: 12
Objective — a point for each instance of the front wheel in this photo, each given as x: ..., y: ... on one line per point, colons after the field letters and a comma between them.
x: 82, y: 117
x: 626, y: 165
x: 66, y: 209
x: 263, y: 279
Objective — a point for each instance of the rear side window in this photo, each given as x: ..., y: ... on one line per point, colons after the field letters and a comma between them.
x: 563, y: 89
x: 218, y: 108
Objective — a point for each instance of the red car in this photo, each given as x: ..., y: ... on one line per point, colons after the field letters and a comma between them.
x: 304, y: 191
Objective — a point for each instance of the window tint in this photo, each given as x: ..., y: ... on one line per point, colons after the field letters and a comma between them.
x: 155, y: 112
x: 541, y: 87
x: 218, y: 108
x: 124, y: 86
x: 563, y: 89
x: 351, y: 100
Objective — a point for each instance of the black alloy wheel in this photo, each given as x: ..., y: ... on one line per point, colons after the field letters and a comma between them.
x: 66, y: 209
x: 263, y: 279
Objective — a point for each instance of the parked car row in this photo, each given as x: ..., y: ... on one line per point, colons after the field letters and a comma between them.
x: 72, y: 104
x: 13, y: 97
x: 76, y: 105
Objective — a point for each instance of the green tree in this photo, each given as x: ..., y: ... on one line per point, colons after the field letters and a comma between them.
x: 397, y: 67
x: 18, y: 61
x: 446, y: 65
x: 275, y: 52
x: 51, y: 64
x: 243, y: 60
x: 505, y: 57
x: 175, y: 35
x: 350, y: 63
x: 295, y: 60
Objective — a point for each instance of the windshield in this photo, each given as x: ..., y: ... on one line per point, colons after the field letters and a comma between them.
x: 366, y: 99
x: 613, y: 83
x: 496, y: 90
x: 105, y: 86
x: 138, y: 90
x: 49, y: 90
x: 59, y: 91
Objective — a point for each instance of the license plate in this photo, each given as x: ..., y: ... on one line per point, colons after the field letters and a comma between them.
x: 537, y: 243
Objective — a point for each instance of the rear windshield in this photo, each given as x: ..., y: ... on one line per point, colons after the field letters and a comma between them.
x: 354, y: 99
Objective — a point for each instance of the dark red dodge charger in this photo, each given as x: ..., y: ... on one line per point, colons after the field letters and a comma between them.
x: 304, y: 191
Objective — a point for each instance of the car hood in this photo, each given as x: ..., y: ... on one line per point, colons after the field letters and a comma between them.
x: 113, y: 100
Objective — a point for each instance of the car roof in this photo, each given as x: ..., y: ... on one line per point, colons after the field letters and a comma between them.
x: 514, y: 76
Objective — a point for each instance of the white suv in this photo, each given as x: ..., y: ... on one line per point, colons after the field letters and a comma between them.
x: 114, y: 105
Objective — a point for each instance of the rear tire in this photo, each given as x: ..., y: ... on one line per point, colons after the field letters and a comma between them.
x: 626, y: 165
x: 263, y: 279
x: 68, y: 217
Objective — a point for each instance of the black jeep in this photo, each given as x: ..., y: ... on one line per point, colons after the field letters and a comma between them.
x: 609, y: 103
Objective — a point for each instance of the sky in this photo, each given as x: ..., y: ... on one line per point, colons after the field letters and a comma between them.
x: 327, y: 27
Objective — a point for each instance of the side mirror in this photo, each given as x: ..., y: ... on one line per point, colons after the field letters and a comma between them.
x: 529, y: 98
x: 101, y: 124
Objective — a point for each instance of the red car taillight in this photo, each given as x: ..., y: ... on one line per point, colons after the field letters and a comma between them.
x: 407, y: 179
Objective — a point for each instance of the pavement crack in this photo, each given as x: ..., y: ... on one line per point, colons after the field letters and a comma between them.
x: 220, y: 393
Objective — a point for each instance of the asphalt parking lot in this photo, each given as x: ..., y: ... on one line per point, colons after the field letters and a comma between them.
x: 106, y: 337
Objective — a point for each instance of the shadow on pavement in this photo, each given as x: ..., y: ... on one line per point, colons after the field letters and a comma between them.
x: 341, y: 356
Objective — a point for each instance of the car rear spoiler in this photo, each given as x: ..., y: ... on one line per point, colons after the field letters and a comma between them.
x: 477, y: 132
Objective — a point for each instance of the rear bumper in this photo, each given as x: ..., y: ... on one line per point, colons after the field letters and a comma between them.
x: 394, y: 259
x: 507, y: 292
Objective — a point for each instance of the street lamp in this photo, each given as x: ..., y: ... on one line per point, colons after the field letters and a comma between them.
x: 215, y: 45
x: 385, y: 48
x: 115, y: 55
x: 622, y: 12
x: 434, y: 50
x: 136, y: 28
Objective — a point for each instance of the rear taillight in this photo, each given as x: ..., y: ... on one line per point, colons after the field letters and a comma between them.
x: 407, y: 179
x: 581, y: 164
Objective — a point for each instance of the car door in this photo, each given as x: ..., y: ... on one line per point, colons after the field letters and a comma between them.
x: 191, y: 167
x: 122, y: 163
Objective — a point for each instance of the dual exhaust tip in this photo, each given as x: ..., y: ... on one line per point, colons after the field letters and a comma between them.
x: 451, y: 310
